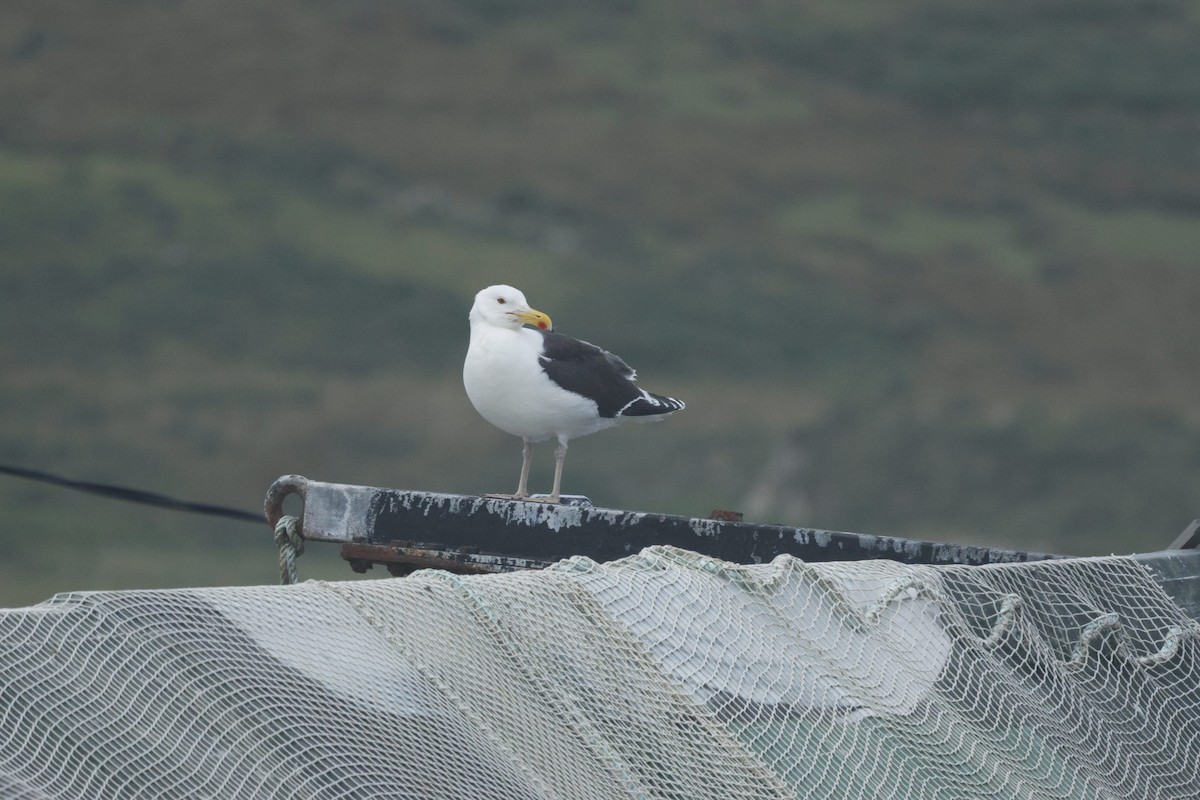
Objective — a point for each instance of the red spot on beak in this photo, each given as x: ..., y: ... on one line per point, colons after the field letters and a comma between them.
x: 542, y: 325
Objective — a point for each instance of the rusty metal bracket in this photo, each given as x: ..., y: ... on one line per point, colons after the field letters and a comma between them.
x: 403, y: 558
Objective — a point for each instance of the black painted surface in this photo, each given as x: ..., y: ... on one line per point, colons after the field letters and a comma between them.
x: 534, y: 530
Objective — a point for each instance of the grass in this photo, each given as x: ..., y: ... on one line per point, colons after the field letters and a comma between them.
x: 961, y: 278
x: 120, y: 208
x: 1135, y: 234
x: 913, y: 233
x: 687, y: 83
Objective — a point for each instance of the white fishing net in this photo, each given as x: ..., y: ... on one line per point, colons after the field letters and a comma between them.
x: 664, y: 675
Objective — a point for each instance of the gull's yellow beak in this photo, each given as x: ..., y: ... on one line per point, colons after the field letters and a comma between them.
x: 535, y: 318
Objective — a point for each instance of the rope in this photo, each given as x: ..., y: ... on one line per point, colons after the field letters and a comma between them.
x: 132, y: 495
x: 291, y: 545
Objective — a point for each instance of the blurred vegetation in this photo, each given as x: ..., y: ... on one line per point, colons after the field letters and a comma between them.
x: 924, y: 270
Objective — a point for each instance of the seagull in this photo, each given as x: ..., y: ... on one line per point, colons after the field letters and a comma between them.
x: 538, y: 384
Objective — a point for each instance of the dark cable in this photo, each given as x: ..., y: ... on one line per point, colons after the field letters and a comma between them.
x: 134, y: 495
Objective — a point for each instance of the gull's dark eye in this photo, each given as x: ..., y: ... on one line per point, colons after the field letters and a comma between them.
x: 501, y: 300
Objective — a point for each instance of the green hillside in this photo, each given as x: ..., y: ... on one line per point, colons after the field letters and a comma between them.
x: 926, y: 270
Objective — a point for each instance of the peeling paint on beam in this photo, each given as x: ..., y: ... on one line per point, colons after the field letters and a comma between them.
x: 547, y: 532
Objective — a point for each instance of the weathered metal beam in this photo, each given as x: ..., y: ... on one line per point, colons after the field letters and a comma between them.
x: 1178, y: 573
x: 1189, y: 539
x: 541, y: 532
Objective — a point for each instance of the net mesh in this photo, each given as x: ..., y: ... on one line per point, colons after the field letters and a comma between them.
x: 663, y: 675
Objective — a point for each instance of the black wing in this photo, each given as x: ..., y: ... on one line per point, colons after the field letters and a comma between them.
x: 597, y: 374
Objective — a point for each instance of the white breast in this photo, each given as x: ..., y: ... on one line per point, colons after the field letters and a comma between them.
x: 508, y: 388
